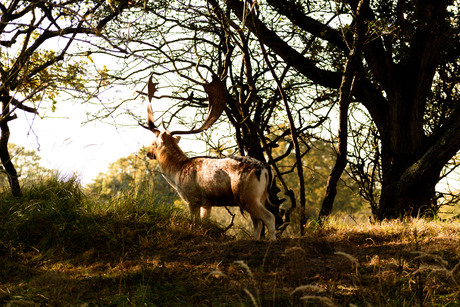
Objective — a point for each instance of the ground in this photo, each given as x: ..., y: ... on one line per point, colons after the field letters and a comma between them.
x: 395, y: 264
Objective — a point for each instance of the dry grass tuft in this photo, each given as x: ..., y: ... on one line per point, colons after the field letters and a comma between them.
x: 349, y: 257
x: 323, y: 301
x: 308, y: 288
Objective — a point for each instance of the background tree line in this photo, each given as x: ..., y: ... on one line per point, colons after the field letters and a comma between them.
x: 389, y: 69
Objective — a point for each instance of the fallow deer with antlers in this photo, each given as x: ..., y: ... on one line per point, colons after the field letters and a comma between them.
x: 206, y: 182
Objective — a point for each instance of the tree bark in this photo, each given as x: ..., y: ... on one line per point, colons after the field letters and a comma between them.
x: 410, y: 189
x: 4, y: 153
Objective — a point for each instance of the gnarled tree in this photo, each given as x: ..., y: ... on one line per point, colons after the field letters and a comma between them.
x: 410, y: 47
x: 30, y: 71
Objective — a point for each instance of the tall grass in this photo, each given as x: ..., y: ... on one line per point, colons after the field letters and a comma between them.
x: 55, y: 215
x: 47, y: 212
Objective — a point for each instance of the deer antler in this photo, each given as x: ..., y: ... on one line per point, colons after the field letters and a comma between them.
x: 217, y: 97
x: 152, y: 88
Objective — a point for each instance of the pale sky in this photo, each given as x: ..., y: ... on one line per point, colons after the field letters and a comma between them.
x: 66, y: 145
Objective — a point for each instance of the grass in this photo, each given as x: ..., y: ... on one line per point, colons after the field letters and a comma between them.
x: 60, y: 247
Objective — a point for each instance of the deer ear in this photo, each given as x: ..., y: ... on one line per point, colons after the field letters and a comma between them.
x: 177, y: 139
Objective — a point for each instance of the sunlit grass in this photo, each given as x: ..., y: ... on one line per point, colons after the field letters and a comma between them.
x: 404, y: 230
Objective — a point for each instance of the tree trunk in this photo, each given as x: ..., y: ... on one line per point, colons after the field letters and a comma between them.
x: 408, y: 187
x: 413, y: 198
x: 409, y: 190
x: 345, y: 91
x: 6, y: 159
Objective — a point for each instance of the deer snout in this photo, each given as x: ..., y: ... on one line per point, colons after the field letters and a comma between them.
x: 150, y: 154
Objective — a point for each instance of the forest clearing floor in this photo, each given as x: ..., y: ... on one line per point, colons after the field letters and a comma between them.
x: 393, y: 264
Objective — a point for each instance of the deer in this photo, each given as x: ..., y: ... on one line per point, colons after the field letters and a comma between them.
x: 206, y: 182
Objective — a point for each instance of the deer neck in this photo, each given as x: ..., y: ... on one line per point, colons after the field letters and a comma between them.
x: 171, y: 160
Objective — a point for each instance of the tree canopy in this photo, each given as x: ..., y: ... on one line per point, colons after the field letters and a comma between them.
x: 36, y: 64
x: 402, y: 79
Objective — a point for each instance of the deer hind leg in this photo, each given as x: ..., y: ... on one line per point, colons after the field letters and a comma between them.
x: 205, y: 212
x: 260, y: 214
x: 257, y: 224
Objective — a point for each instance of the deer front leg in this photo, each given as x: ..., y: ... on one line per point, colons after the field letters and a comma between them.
x: 205, y: 212
x: 194, y: 212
